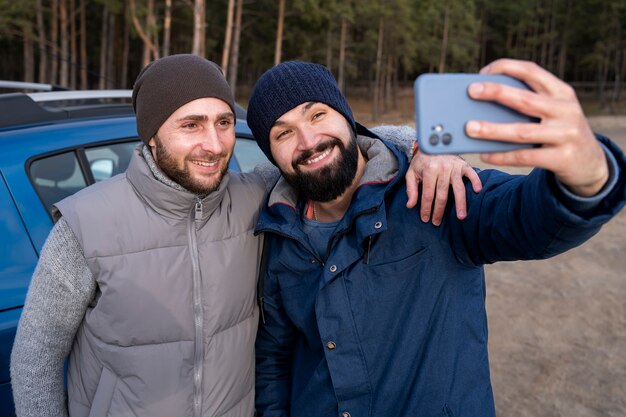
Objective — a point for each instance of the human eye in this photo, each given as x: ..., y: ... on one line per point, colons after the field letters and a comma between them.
x: 282, y: 134
x: 190, y: 125
x: 318, y: 114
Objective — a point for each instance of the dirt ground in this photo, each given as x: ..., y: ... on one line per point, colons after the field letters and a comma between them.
x: 557, y: 335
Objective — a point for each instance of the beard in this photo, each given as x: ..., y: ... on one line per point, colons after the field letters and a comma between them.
x: 168, y: 164
x: 329, y: 182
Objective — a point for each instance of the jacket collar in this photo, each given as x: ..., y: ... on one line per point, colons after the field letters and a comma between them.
x: 164, y: 196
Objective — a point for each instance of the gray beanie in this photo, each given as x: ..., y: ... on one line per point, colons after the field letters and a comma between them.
x: 287, y: 86
x: 168, y: 83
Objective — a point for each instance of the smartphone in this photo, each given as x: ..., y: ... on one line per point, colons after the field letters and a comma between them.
x: 443, y: 107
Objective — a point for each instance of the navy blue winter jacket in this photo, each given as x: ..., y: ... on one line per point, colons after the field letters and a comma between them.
x: 392, y: 321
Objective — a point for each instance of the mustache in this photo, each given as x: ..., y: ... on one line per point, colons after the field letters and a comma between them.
x: 207, y: 157
x: 319, y: 148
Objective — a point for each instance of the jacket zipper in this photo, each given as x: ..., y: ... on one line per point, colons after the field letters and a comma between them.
x: 347, y: 229
x: 261, y: 295
x: 195, y: 217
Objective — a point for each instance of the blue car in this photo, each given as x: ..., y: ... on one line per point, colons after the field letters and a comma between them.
x: 52, y: 145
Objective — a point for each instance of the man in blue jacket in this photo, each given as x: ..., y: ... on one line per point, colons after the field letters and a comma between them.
x: 369, y: 311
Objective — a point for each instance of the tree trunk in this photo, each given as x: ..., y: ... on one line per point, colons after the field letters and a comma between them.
x: 29, y: 53
x: 329, y: 48
x: 552, y: 38
x: 379, y: 65
x: 199, y: 28
x: 43, y: 48
x: 535, y: 34
x: 149, y: 47
x: 73, y: 48
x: 167, y: 28
x: 84, y: 82
x: 110, y: 60
x: 228, y: 36
x: 483, y: 38
x: 104, y: 37
x: 64, y: 72
x: 153, y: 30
x: 54, y: 39
x: 387, y: 83
x: 543, y: 60
x: 616, y: 66
x: 233, y: 61
x: 125, y: 50
x: 444, y: 41
x: 279, y: 32
x: 565, y: 40
x: 342, y: 55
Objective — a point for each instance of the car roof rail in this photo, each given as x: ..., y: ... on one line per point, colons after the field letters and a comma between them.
x: 22, y: 85
x: 80, y: 95
x: 33, y: 108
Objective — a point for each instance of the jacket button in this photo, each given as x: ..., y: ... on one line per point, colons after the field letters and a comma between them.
x: 333, y: 268
x: 378, y: 225
x: 331, y: 345
x: 345, y: 414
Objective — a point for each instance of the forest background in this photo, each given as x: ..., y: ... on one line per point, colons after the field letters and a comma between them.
x: 557, y: 327
x: 375, y: 48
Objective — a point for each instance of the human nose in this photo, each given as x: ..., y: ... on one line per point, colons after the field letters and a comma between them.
x: 212, y: 142
x: 307, y: 139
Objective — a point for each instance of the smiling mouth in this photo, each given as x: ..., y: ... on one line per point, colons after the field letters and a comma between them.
x: 319, y: 157
x: 205, y: 163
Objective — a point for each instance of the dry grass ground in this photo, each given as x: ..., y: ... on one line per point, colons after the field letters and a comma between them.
x: 557, y: 327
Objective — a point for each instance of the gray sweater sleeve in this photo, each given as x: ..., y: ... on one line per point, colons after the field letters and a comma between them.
x: 403, y: 137
x: 269, y: 173
x: 60, y: 291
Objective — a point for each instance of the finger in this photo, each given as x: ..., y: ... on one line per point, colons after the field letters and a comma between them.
x: 441, y: 198
x: 536, y: 77
x: 524, y: 101
x: 471, y: 174
x: 429, y: 183
x: 546, y: 158
x: 412, y: 189
x: 458, y: 188
x: 534, y: 133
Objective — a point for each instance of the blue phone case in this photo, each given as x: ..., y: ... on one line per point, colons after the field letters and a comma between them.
x: 443, y: 107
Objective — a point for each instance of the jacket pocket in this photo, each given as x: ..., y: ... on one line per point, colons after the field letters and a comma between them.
x: 104, y: 394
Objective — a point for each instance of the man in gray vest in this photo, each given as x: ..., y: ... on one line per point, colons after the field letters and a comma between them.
x: 147, y: 280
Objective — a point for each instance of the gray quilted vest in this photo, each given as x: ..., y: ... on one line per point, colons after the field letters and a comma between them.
x: 171, y: 331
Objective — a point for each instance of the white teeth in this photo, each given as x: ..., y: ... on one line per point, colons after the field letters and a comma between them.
x: 318, y: 158
x: 205, y: 164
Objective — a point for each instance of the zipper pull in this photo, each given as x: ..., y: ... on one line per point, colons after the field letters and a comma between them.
x: 198, y: 210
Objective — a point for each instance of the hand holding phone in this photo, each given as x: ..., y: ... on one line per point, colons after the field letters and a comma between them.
x: 443, y: 107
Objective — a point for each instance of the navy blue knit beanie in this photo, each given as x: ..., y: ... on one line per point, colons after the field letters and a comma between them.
x: 285, y: 87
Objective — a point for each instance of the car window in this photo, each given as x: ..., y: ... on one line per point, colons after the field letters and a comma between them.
x: 109, y: 160
x: 57, y: 177
x: 248, y: 154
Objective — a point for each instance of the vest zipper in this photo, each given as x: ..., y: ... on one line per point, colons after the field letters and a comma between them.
x: 198, y: 210
x: 198, y: 360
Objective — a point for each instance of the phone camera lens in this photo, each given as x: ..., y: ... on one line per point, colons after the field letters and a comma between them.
x: 446, y: 139
x: 433, y: 139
